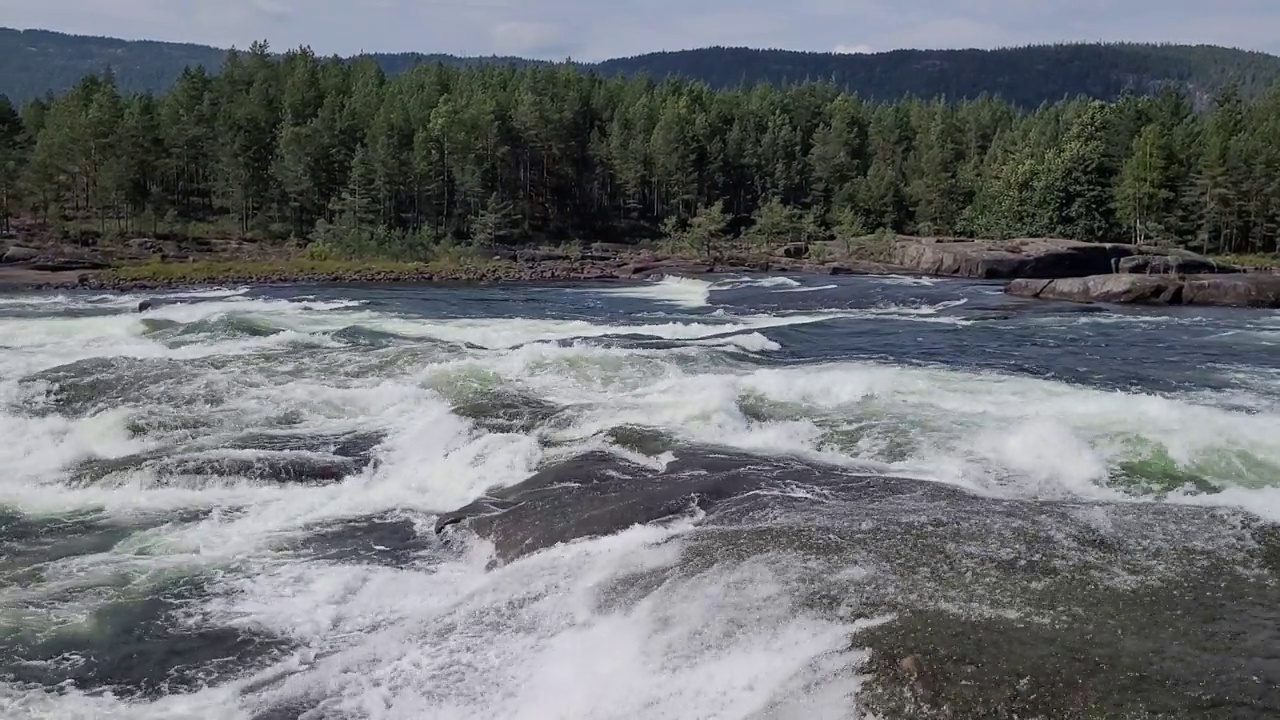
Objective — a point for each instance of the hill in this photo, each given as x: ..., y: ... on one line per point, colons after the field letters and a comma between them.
x: 1025, y: 76
x: 33, y: 62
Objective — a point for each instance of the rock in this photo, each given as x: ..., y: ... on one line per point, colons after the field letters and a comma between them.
x: 18, y: 253
x: 1259, y: 290
x: 1122, y: 288
x: 144, y: 306
x: 793, y: 251
x: 539, y: 256
x: 1041, y: 258
x: 911, y: 665
x: 65, y: 264
x: 1178, y: 264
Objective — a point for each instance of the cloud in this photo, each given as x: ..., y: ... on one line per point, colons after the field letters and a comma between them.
x: 592, y: 30
x: 862, y: 49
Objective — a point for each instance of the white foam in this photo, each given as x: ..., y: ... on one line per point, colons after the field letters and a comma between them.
x: 691, y: 293
x: 547, y: 631
x: 815, y: 288
x: 670, y: 289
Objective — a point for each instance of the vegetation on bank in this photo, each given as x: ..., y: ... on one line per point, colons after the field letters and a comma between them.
x: 284, y: 268
x: 339, y: 158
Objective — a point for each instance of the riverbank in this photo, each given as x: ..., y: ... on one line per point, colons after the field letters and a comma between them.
x: 535, y: 267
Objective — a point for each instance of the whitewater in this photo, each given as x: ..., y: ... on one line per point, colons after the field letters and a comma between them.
x: 746, y: 497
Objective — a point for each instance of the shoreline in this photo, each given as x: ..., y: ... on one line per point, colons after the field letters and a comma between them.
x: 178, y: 276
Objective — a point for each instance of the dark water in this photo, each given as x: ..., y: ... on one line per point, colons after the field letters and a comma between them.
x: 760, y: 498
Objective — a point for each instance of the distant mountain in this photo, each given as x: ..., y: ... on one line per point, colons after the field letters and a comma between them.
x: 33, y: 62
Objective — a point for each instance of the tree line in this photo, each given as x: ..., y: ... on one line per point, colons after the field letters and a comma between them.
x: 339, y: 155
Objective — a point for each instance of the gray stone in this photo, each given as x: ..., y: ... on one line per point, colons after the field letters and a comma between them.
x: 17, y: 254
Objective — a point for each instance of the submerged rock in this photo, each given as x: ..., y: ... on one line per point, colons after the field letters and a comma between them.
x: 984, y: 607
x: 138, y: 647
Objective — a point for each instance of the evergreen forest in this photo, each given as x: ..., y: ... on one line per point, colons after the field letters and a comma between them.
x: 344, y: 157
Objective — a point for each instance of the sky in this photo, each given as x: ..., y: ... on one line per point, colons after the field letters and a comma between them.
x: 590, y: 30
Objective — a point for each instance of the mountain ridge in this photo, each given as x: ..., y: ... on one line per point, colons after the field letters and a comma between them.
x: 35, y: 62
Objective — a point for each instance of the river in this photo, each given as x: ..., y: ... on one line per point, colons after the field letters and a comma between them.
x: 744, y: 498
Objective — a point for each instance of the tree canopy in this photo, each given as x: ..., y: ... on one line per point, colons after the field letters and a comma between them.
x: 340, y: 153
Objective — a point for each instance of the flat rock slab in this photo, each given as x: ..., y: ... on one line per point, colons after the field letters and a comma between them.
x: 17, y: 254
x: 1138, y: 289
x: 1256, y: 290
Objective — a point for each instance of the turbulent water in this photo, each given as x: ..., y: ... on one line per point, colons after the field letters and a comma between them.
x: 764, y: 497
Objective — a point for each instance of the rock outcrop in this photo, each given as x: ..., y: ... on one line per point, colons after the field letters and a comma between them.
x: 1004, y: 260
x: 1174, y: 264
x: 18, y: 253
x: 1258, y: 290
x: 1047, y: 258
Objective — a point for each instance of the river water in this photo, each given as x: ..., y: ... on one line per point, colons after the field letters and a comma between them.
x: 747, y: 498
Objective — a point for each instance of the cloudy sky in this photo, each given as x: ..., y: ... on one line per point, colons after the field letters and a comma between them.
x: 598, y: 29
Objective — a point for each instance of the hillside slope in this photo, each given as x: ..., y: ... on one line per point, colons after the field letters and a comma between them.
x: 33, y: 62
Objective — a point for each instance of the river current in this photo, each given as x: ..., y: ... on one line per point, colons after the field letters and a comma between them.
x: 742, y: 498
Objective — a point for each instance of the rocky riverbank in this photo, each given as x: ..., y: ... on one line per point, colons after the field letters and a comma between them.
x: 1046, y: 258
x: 1056, y: 269
x: 1045, y: 268
x: 45, y: 271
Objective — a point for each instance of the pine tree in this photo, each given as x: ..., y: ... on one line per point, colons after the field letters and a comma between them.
x: 12, y: 153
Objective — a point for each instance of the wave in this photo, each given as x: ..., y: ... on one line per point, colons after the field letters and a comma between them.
x: 192, y: 411
x: 815, y: 288
x: 693, y: 293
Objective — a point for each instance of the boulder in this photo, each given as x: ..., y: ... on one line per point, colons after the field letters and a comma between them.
x: 1259, y: 290
x: 540, y: 256
x: 1123, y: 288
x: 18, y: 253
x: 989, y: 259
x: 793, y: 251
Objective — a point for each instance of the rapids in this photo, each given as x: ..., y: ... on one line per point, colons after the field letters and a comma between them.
x: 750, y: 498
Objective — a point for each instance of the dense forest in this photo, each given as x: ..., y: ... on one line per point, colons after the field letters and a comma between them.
x: 34, y: 62
x: 355, y: 162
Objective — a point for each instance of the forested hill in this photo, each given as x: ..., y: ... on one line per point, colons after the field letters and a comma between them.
x: 33, y: 62
x: 1024, y: 76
